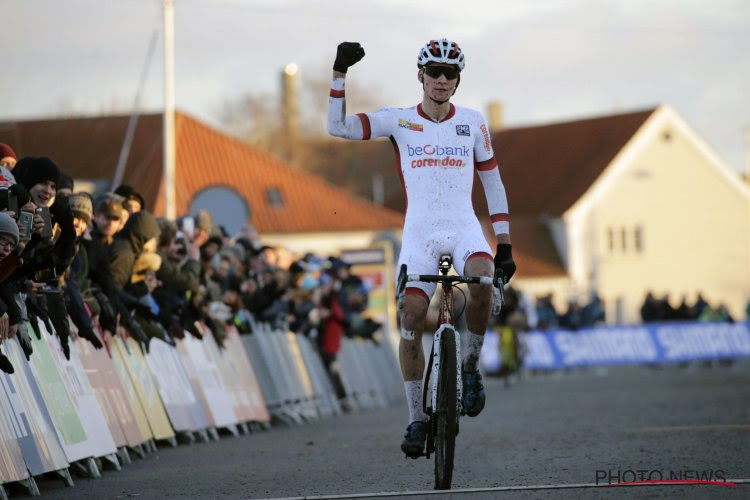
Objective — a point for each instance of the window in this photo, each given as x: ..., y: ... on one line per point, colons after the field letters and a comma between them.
x: 274, y: 198
x: 611, y: 239
x: 624, y: 239
x: 638, y: 239
x: 227, y: 206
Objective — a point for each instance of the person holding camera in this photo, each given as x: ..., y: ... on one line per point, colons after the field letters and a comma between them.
x: 49, y: 252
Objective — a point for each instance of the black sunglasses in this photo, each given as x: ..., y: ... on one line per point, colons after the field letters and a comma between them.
x: 450, y: 72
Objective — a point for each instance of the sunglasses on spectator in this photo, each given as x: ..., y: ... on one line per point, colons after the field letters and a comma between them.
x: 450, y: 72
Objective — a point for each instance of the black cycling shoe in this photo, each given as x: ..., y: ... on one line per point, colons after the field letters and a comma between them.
x: 414, y: 439
x: 473, y: 397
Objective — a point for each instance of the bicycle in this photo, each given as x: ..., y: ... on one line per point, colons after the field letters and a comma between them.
x: 445, y: 359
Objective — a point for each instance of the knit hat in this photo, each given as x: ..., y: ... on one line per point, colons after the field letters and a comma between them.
x: 129, y: 193
x: 66, y: 181
x: 81, y: 206
x: 6, y: 151
x: 33, y: 170
x: 8, y: 226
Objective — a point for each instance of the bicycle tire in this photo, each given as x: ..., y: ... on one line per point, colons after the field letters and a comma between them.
x: 446, y: 413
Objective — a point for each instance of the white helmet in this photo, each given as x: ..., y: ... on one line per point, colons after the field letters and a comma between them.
x: 441, y: 51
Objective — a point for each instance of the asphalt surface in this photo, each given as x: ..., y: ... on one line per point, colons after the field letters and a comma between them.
x: 549, y: 432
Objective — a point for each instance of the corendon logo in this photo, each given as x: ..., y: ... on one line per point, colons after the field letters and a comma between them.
x: 447, y: 155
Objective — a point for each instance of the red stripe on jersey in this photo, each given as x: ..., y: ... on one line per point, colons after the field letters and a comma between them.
x: 486, y: 164
x: 417, y: 291
x: 336, y: 93
x: 500, y: 218
x: 400, y: 173
x: 482, y: 255
x: 365, y: 126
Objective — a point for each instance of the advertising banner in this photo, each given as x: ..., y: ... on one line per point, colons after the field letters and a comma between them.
x: 628, y: 344
x: 31, y: 420
x: 185, y: 411
x: 92, y: 360
x: 99, y: 439
x: 119, y: 364
x: 145, y: 388
x: 73, y: 437
x: 205, y: 377
x: 236, y: 357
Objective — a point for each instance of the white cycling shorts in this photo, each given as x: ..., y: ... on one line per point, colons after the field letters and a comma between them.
x: 422, y: 247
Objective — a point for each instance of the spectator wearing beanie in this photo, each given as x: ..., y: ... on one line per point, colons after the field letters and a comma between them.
x: 7, y: 156
x: 40, y: 176
x: 133, y: 200
x: 8, y: 235
x: 66, y: 185
x: 82, y: 208
x: 8, y: 241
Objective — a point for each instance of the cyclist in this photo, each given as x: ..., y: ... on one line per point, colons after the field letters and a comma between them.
x: 438, y: 148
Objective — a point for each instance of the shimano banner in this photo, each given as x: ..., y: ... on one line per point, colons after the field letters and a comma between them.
x: 649, y: 343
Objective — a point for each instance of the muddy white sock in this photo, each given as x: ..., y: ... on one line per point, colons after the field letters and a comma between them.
x: 473, y: 349
x: 413, y: 389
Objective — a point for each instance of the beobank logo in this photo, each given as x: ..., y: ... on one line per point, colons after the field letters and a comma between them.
x: 446, y: 156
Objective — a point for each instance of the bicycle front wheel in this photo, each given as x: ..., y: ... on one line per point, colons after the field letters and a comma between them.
x: 446, y: 414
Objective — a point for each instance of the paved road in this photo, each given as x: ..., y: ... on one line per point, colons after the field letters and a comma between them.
x: 550, y: 430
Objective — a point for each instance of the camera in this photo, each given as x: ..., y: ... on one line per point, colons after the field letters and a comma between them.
x: 8, y: 201
x: 48, y: 276
x: 26, y: 221
x: 44, y: 213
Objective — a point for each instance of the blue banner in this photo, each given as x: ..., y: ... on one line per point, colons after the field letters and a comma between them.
x: 612, y: 345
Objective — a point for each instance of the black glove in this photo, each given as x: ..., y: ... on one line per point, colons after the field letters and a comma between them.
x: 91, y: 337
x: 504, y: 262
x: 5, y: 364
x: 137, y: 332
x: 144, y: 311
x: 65, y: 347
x: 347, y: 54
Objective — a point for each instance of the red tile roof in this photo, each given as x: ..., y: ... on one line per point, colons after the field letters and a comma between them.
x: 547, y: 168
x: 89, y: 148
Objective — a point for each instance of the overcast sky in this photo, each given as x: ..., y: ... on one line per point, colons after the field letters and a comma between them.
x: 545, y: 60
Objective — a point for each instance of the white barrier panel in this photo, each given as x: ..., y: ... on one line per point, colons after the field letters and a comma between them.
x: 32, y: 422
x: 100, y: 441
x: 75, y: 442
x: 249, y: 406
x: 145, y: 388
x: 204, y: 375
x: 119, y: 364
x: 185, y: 411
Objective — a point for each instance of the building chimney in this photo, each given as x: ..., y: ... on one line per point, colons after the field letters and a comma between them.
x: 289, y: 108
x: 495, y: 115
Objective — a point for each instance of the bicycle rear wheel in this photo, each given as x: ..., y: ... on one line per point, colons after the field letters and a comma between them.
x: 446, y: 414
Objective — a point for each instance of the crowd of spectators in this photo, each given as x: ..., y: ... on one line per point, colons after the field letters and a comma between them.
x: 104, y: 263
x: 661, y: 309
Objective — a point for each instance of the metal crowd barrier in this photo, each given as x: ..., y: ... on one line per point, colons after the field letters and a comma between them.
x: 58, y: 415
x: 297, y: 387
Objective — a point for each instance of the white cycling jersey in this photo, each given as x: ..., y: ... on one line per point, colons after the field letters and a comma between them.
x: 436, y: 161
